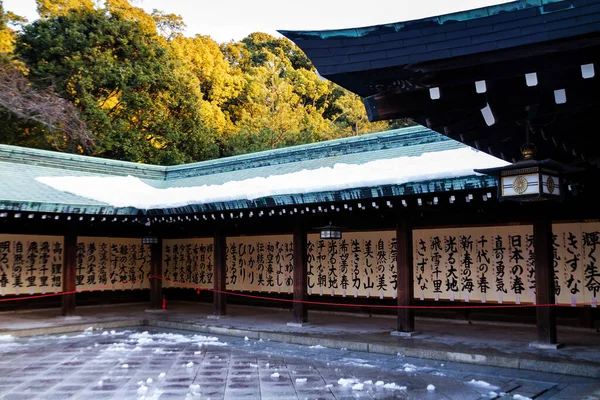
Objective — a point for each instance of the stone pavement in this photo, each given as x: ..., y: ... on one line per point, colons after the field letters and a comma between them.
x: 502, y: 345
x: 165, y: 364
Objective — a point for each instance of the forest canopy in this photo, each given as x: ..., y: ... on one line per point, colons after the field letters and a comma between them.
x: 120, y: 83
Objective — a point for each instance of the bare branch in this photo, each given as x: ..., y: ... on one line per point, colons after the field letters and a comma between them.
x: 43, y: 106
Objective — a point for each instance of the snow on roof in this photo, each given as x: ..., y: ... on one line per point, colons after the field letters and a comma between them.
x: 130, y: 191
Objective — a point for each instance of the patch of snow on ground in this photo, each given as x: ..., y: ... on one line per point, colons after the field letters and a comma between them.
x: 105, y: 333
x: 246, y: 338
x: 194, y: 388
x: 482, y: 384
x: 519, y: 397
x: 393, y: 386
x: 369, y: 382
x: 174, y: 338
x: 379, y: 383
x: 346, y: 382
x: 275, y: 375
x: 149, y: 380
x: 329, y: 385
x: 301, y: 380
x: 492, y: 394
x: 430, y: 387
x: 358, y: 386
x: 162, y: 375
x: 142, y: 390
x: 125, y: 366
x: 7, y: 338
x: 189, y: 365
x: 89, y: 329
x: 318, y: 346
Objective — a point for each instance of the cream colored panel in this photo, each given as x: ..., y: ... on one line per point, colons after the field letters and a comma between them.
x: 30, y: 264
x: 188, y: 263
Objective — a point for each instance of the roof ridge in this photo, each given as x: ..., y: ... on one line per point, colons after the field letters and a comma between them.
x: 351, y: 145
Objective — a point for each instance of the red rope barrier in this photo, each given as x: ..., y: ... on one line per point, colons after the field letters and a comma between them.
x: 321, y: 303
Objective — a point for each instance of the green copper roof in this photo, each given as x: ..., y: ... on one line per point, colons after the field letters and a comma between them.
x: 20, y: 166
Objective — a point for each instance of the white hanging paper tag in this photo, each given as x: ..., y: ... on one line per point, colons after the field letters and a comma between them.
x: 518, y: 299
x: 320, y: 290
x: 594, y: 302
x: 483, y: 297
x: 451, y: 296
x: 309, y: 291
x: 332, y: 292
x: 436, y: 296
x: 368, y: 293
x: 278, y: 290
x: 44, y: 290
x: 422, y: 296
x: 30, y: 291
x: 467, y: 297
x: 573, y: 301
x: 499, y: 298
x: 381, y: 294
x: 344, y: 293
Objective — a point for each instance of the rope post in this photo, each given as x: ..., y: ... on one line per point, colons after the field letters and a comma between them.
x: 544, y: 283
x: 219, y: 276
x: 156, y: 295
x: 404, y: 289
x: 69, y: 284
x: 300, y: 274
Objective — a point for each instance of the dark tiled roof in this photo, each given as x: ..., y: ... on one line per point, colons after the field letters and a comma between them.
x: 469, y: 32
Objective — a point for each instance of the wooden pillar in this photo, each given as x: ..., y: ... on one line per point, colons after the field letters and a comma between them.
x: 156, y: 250
x: 300, y: 274
x: 544, y: 282
x: 69, y: 284
x: 404, y: 265
x: 219, y: 276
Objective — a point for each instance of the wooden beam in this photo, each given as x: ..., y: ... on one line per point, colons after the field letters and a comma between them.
x: 219, y: 283
x: 69, y: 284
x: 300, y: 273
x: 544, y: 281
x: 404, y: 266
x: 156, y: 272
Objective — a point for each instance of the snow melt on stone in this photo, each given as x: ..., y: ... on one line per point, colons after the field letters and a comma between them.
x: 430, y: 387
x: 275, y: 375
x: 301, y: 380
x: 519, y: 397
x: 130, y: 191
x: 318, y: 346
x: 358, y: 386
x: 482, y: 384
x: 7, y: 338
x: 393, y: 386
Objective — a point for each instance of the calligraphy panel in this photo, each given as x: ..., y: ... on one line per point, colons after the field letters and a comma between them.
x: 30, y: 264
x: 188, y: 263
x: 112, y: 264
x: 361, y: 264
x: 478, y: 264
x: 260, y: 263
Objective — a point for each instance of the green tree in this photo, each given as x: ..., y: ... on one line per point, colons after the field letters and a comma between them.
x: 120, y: 77
x: 55, y: 8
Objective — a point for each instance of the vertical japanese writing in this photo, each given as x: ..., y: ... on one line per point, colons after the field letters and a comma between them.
x: 44, y: 260
x: 344, y: 255
x: 381, y: 263
x: 499, y: 268
x: 32, y: 259
x: 483, y: 265
x: 332, y: 252
x: 103, y: 263
x: 450, y: 248
x: 57, y: 265
x: 436, y: 274
x: 555, y: 264
x: 420, y: 280
x: 516, y: 260
x: 572, y: 263
x: 530, y: 263
x: 591, y: 272
x: 393, y: 265
x: 90, y: 257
